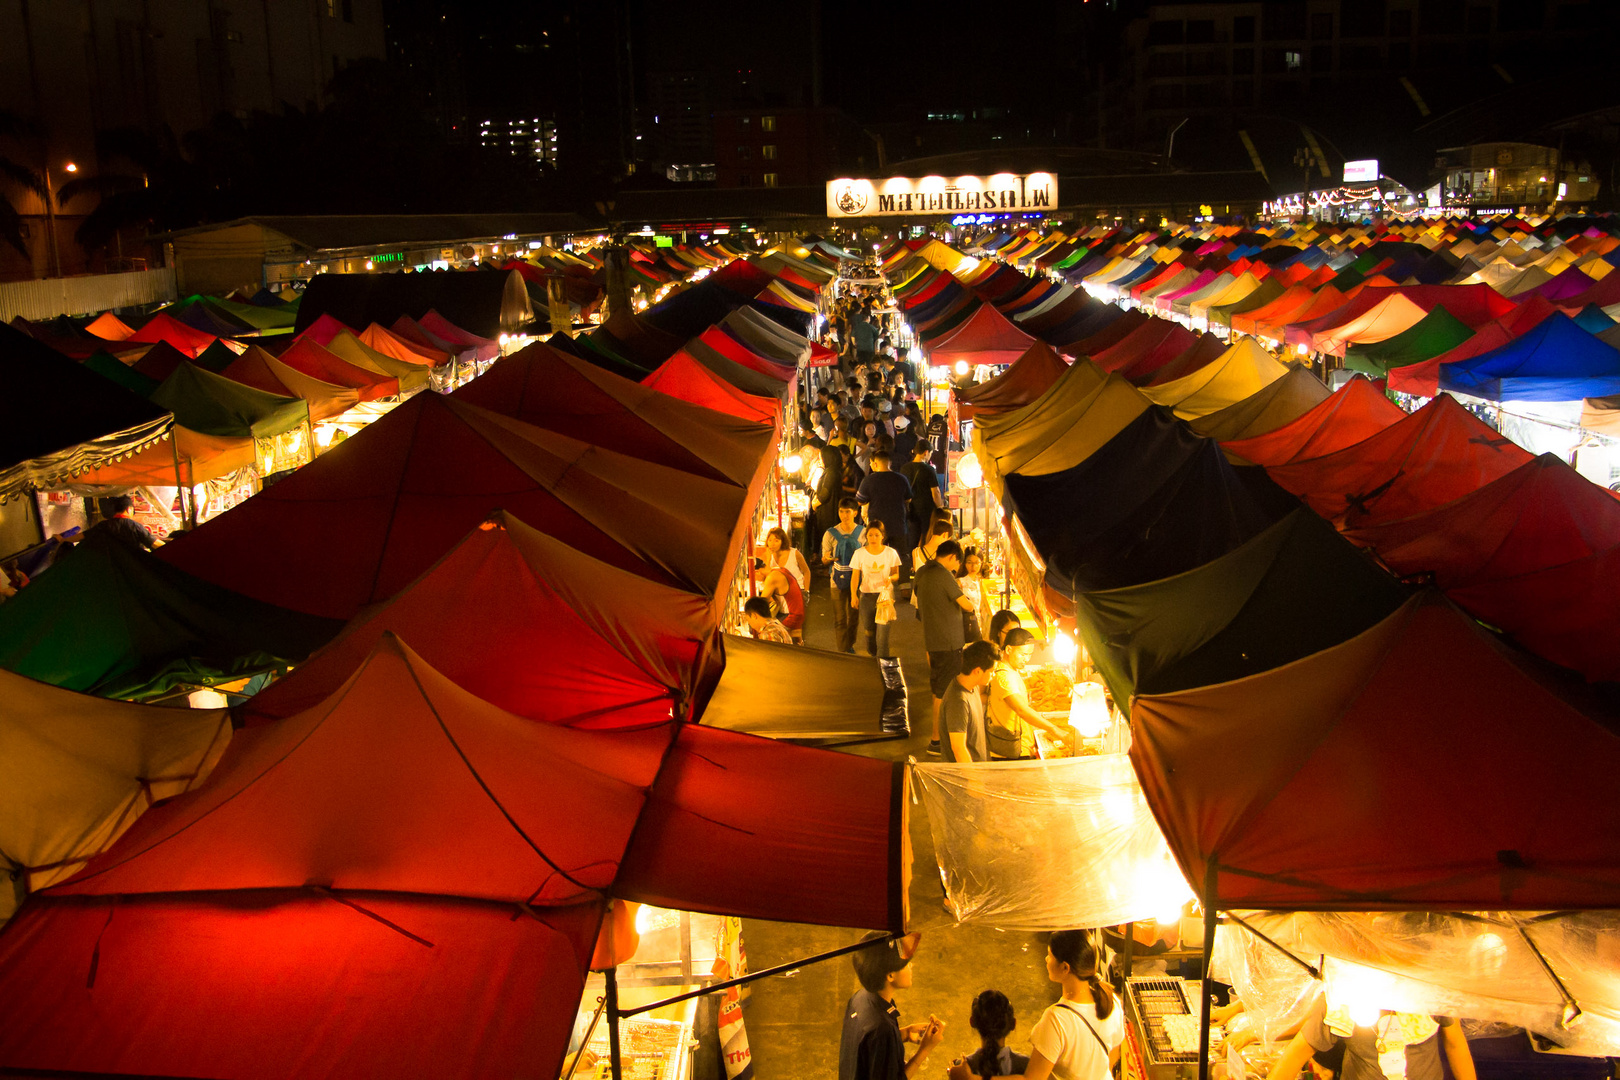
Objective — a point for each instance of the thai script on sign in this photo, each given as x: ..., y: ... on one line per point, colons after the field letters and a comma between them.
x: 900, y: 195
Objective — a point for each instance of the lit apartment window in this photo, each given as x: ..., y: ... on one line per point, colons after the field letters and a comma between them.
x: 770, y: 179
x: 1292, y: 61
x: 768, y: 151
x: 767, y: 123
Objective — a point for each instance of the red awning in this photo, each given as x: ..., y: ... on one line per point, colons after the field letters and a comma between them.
x: 1419, y: 765
x: 1355, y: 411
x: 1030, y: 376
x: 986, y: 337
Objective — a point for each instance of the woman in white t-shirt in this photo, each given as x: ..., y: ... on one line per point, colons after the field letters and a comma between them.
x: 875, y: 568
x: 1079, y: 1037
x: 780, y: 554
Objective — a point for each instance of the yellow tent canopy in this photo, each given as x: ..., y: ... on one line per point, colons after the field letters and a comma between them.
x: 1229, y: 378
x: 80, y: 769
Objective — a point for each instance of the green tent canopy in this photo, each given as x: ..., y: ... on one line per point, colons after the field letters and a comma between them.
x: 267, y: 320
x: 108, y: 619
x: 214, y: 405
x: 105, y: 363
x: 217, y: 357
x: 1292, y: 590
x: 1437, y: 332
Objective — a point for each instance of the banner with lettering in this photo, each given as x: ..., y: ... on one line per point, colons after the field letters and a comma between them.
x: 900, y: 195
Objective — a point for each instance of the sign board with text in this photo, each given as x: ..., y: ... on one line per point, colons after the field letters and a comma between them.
x: 1361, y: 171
x: 899, y: 196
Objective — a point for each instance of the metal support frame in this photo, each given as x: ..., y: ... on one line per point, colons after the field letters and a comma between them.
x: 1210, y: 911
x: 1315, y: 972
x: 1572, y: 1008
x: 615, y: 1059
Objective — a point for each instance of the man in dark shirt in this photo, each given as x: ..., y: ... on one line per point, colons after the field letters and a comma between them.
x: 873, y: 1043
x: 119, y: 524
x: 924, y: 481
x: 940, y: 605
x: 885, y: 494
x: 961, y: 713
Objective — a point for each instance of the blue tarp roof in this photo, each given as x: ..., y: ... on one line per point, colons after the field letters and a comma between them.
x: 1556, y: 361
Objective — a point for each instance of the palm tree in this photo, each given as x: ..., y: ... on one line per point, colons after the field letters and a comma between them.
x: 150, y: 184
x: 16, y: 128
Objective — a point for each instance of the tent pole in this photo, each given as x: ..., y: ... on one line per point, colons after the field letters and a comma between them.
x: 1316, y: 973
x: 1206, y: 981
x: 1130, y: 948
x: 611, y: 977
x: 1572, y: 1008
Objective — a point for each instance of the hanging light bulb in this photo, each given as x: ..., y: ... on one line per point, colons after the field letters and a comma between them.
x: 792, y: 464
x: 962, y: 368
x: 1063, y: 648
x: 1088, y: 709
x: 969, y: 473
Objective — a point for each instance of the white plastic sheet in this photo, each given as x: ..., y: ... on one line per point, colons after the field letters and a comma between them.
x: 1475, y: 966
x: 1049, y: 845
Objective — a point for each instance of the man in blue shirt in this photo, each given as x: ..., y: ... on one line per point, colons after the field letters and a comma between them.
x: 838, y: 545
x: 872, y: 1046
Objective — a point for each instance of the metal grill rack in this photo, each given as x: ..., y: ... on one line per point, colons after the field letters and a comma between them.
x: 1147, y: 1002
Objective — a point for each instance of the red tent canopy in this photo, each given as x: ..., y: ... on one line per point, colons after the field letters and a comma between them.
x: 546, y: 387
x: 408, y: 329
x: 1027, y: 379
x: 167, y: 328
x: 320, y: 363
x: 1421, y: 765
x: 505, y: 597
x: 735, y: 351
x: 445, y: 330
x: 741, y: 277
x: 986, y: 337
x: 683, y: 377
x: 324, y: 329
x: 1161, y: 366
x: 229, y: 926
x: 1060, y: 312
x: 1439, y: 453
x: 359, y: 523
x: 932, y: 286
x: 1279, y: 310
x: 1108, y: 336
x: 1356, y: 411
x: 1145, y: 340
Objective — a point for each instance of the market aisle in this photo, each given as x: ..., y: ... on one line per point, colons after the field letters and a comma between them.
x: 793, y: 1022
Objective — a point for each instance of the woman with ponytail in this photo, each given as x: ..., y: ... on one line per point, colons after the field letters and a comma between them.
x: 1079, y: 1037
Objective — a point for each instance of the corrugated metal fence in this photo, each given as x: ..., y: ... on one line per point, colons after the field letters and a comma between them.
x: 91, y: 293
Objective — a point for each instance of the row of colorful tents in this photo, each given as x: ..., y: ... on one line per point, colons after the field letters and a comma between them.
x: 1329, y: 622
x: 519, y: 592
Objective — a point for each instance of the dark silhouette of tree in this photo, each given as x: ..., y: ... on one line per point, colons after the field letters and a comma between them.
x: 17, y: 129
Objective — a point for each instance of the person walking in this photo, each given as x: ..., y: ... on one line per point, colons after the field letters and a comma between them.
x: 872, y: 1044
x: 875, y: 572
x: 937, y: 594
x: 838, y: 546
x: 924, y: 481
x: 885, y: 494
x: 1079, y: 1037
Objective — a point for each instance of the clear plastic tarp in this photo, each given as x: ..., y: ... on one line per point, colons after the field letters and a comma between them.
x: 1049, y: 845
x: 1480, y: 966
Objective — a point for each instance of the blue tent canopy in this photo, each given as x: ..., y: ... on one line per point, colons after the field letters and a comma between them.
x: 1555, y: 361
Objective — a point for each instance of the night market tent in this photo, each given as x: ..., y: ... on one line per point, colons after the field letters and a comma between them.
x: 1109, y: 332
x: 110, y: 620
x: 819, y: 696
x: 744, y: 378
x: 109, y: 326
x: 1153, y: 501
x: 201, y: 313
x: 1438, y: 453
x: 551, y: 389
x: 1242, y: 287
x: 259, y: 369
x: 80, y: 769
x: 1294, y: 589
x: 986, y: 337
x: 1146, y: 340
x: 1437, y: 332
x: 351, y: 350
x: 1026, y: 379
x: 767, y: 337
x: 321, y: 364
x: 1268, y: 408
x: 171, y: 331
x: 1554, y: 361
x: 121, y: 373
x: 1391, y: 315
x: 1341, y: 782
x: 1241, y: 370
x: 1158, y: 369
x: 90, y: 420
x: 380, y: 340
x: 1071, y: 334
x: 728, y: 346
x: 683, y: 376
x: 159, y: 361
x: 628, y: 336
x: 1280, y: 309
x: 1353, y: 412
x: 486, y: 303
x: 1064, y: 426
x: 217, y: 357
x: 1267, y: 291
x: 507, y: 597
x: 779, y: 293
x: 361, y: 522
x: 340, y: 847
x: 1541, y: 523
x: 215, y: 405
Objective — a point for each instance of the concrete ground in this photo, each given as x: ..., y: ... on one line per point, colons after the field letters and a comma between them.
x: 794, y: 1020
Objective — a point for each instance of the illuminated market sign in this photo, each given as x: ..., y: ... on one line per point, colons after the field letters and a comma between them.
x: 1361, y: 171
x: 899, y: 195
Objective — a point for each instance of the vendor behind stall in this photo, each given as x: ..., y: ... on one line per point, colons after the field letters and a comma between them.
x: 1396, y: 1046
x: 1010, y: 724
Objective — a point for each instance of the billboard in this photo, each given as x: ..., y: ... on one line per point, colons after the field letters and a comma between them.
x: 1361, y: 171
x: 898, y: 196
